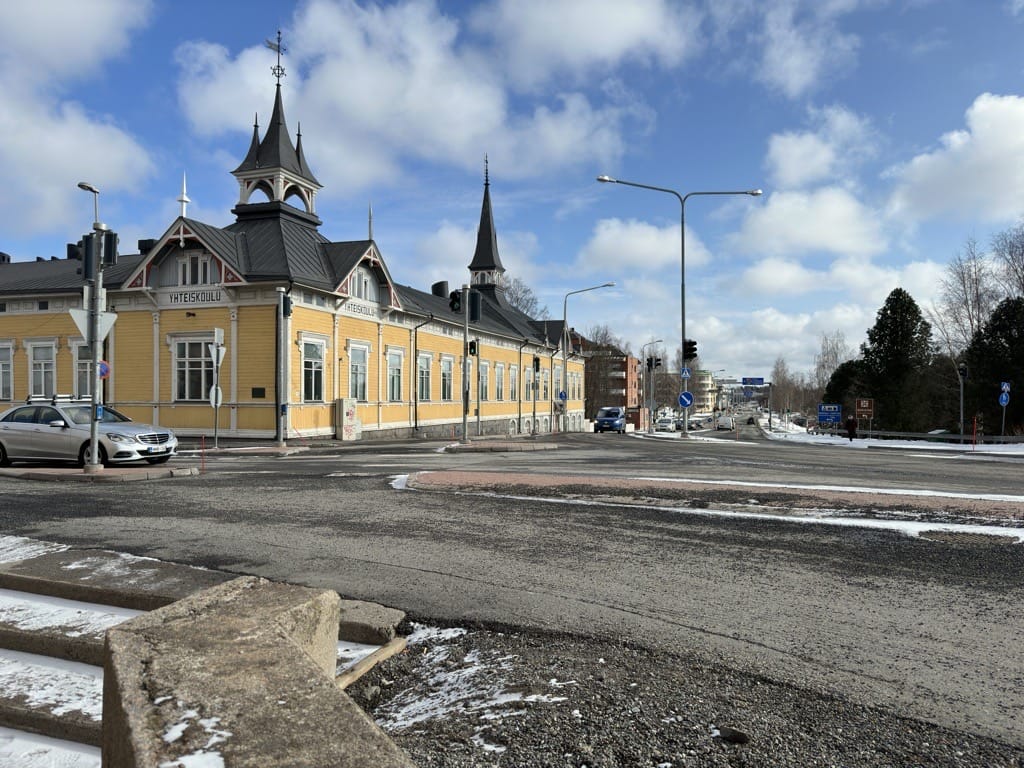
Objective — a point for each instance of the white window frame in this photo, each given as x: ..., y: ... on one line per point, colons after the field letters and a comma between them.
x: 358, y: 371
x: 483, y: 374
x: 499, y: 382
x: 83, y: 368
x: 394, y: 374
x: 447, y: 378
x: 513, y: 383
x: 205, y: 269
x: 203, y: 365
x: 310, y: 368
x: 6, y: 371
x: 46, y: 369
x: 424, y: 361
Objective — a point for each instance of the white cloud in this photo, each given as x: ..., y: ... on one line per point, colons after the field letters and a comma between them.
x: 830, y: 152
x: 56, y: 143
x: 424, y: 91
x: 779, y: 277
x: 636, y: 245
x: 540, y: 40
x: 977, y: 171
x: 802, y: 47
x: 828, y: 220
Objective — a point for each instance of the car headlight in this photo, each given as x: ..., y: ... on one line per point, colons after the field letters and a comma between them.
x: 117, y: 437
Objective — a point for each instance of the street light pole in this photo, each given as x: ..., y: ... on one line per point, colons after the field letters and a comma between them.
x: 649, y: 386
x: 96, y: 288
x: 565, y: 345
x: 682, y: 256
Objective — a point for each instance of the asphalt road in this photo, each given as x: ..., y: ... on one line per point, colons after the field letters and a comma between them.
x: 924, y: 628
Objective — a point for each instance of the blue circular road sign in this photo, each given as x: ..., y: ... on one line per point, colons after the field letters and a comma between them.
x: 685, y: 399
x: 1004, y: 399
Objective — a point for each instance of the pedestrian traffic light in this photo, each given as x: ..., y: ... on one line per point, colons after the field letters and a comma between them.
x: 689, y: 349
x: 474, y: 306
x: 472, y: 346
x: 455, y: 301
x: 536, y: 363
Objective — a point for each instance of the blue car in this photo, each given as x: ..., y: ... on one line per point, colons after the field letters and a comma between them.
x: 611, y: 419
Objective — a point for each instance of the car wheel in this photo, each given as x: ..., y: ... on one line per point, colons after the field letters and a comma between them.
x: 159, y: 459
x: 83, y: 455
x: 4, y: 459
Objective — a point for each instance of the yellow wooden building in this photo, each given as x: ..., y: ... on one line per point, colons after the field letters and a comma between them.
x: 290, y: 334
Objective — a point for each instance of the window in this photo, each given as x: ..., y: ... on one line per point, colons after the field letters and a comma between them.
x: 499, y: 382
x: 357, y: 372
x: 423, y: 377
x: 42, y: 306
x: 447, y: 381
x: 513, y: 383
x: 313, y: 371
x: 42, y: 370
x: 6, y: 383
x: 484, y: 370
x: 558, y: 379
x: 195, y: 268
x: 545, y: 394
x: 395, y: 377
x: 528, y: 384
x: 83, y: 371
x: 193, y: 370
x: 363, y: 285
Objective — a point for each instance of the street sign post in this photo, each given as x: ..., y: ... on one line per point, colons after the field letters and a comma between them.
x: 685, y: 400
x: 830, y: 413
x: 685, y: 373
x: 1004, y: 400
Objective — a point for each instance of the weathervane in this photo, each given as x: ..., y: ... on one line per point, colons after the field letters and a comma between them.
x: 277, y: 70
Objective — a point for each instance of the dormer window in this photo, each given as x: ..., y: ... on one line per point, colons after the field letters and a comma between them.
x: 363, y: 285
x: 196, y: 268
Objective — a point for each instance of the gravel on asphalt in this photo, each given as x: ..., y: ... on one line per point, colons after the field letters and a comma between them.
x: 483, y: 697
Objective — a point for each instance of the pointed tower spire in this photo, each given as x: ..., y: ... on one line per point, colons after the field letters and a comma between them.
x: 274, y: 166
x: 370, y: 212
x: 486, y: 268
x: 183, y: 197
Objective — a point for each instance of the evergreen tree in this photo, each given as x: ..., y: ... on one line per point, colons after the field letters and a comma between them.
x: 897, y: 364
x: 996, y: 354
x: 845, y: 385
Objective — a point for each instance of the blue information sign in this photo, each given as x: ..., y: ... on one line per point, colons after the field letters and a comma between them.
x: 830, y: 413
x: 753, y: 381
x: 685, y: 399
x: 1004, y: 399
x: 562, y: 396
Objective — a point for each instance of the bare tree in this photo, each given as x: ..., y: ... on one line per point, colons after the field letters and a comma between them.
x: 1008, y: 249
x: 604, y: 351
x: 834, y: 352
x: 968, y: 292
x: 522, y: 297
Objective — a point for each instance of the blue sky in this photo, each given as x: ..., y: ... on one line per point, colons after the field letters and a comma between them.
x: 883, y: 133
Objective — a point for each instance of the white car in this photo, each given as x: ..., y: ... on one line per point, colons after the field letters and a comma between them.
x: 60, y: 429
x: 665, y: 424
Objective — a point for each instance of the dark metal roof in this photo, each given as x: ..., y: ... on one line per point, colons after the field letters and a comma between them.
x: 276, y: 149
x: 282, y: 241
x: 52, y: 276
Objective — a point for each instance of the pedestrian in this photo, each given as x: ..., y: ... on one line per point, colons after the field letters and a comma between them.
x: 851, y: 427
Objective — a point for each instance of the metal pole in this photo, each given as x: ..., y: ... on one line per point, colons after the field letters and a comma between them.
x: 465, y: 363
x: 95, y: 347
x: 649, y: 384
x: 565, y: 345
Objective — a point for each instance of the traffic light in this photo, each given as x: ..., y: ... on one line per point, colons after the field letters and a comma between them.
x: 286, y: 305
x: 962, y: 370
x: 455, y: 301
x: 536, y: 363
x: 689, y: 349
x: 472, y: 346
x: 474, y: 306
x: 110, y: 240
x: 650, y: 363
x: 657, y: 362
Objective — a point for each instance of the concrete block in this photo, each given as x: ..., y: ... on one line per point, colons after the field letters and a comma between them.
x: 244, y: 670
x: 368, y: 623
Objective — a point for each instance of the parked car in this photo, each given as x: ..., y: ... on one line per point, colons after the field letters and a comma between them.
x: 665, y: 424
x: 696, y: 424
x: 60, y: 429
x: 725, y: 422
x: 611, y: 419
x: 751, y: 420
